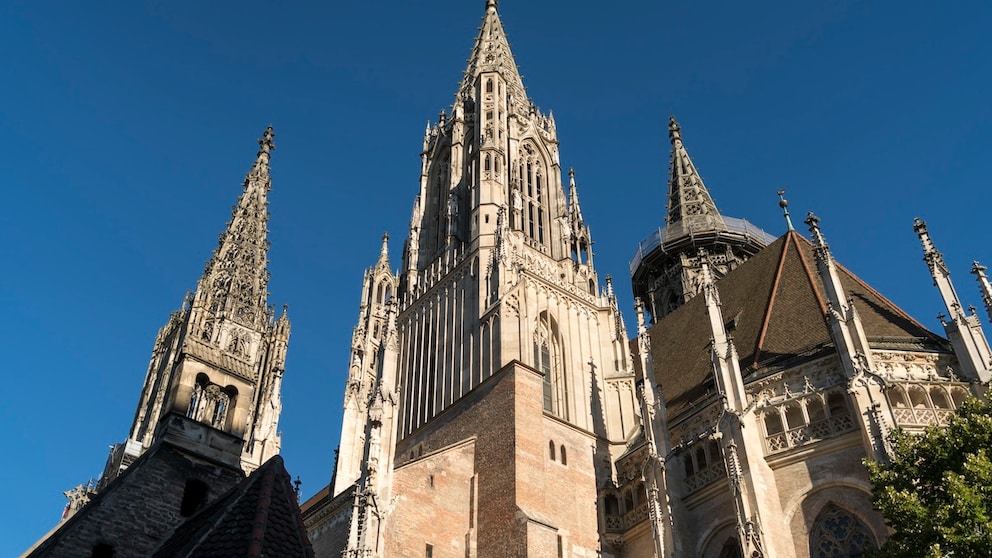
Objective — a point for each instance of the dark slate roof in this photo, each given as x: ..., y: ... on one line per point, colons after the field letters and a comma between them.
x: 774, y: 306
x: 258, y: 517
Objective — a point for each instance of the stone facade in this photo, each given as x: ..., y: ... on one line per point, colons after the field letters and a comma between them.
x: 496, y: 407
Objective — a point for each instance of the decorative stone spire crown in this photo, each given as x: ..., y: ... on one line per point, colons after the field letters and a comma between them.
x: 688, y: 198
x: 491, y: 53
x: 235, y: 279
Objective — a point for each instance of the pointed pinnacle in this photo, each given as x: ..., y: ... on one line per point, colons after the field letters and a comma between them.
x: 384, y: 252
x: 674, y: 130
x: 266, y: 143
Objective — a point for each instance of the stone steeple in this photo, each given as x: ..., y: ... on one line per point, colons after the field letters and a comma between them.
x: 220, y: 358
x: 488, y: 288
x: 233, y: 285
x: 963, y: 330
x: 666, y: 268
x: 491, y: 53
x: 689, y: 202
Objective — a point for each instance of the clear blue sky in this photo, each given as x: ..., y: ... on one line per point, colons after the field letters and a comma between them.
x: 130, y: 126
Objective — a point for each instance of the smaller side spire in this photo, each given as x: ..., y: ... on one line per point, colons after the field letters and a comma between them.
x: 576, y: 232
x: 689, y: 201
x: 984, y: 286
x: 384, y: 252
x: 573, y: 198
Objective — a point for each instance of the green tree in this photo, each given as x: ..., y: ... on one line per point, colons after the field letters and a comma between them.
x: 936, y: 493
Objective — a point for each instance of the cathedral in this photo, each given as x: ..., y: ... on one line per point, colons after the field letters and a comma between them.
x: 496, y: 404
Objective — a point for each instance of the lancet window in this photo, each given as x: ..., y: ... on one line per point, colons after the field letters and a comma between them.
x: 535, y: 210
x: 548, y: 361
x: 838, y: 532
x: 210, y: 403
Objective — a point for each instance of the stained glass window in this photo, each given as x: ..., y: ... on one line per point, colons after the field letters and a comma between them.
x: 837, y: 533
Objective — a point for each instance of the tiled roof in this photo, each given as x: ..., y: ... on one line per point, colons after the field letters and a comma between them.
x: 258, y: 517
x: 774, y: 307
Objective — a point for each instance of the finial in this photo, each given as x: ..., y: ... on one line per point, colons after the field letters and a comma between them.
x: 919, y: 225
x: 813, y: 221
x: 266, y: 143
x: 384, y: 253
x: 285, y: 310
x: 674, y: 130
x: 571, y: 173
x: 784, y: 204
x: 492, y: 6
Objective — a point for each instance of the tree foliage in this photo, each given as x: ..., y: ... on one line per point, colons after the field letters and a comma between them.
x: 936, y: 493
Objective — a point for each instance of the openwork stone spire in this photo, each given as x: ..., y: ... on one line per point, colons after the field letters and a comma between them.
x: 235, y: 279
x: 688, y: 199
x: 491, y: 53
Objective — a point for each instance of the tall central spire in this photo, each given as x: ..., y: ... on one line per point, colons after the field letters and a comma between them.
x: 491, y: 53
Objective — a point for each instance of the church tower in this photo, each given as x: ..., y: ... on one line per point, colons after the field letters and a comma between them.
x: 498, y: 264
x: 496, y: 288
x: 220, y: 358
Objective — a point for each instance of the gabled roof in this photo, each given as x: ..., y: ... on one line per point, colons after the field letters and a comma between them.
x: 258, y: 517
x: 774, y: 307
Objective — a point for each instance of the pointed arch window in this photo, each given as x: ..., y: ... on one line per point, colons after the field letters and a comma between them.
x: 534, y: 185
x: 210, y: 403
x: 838, y: 532
x: 548, y: 361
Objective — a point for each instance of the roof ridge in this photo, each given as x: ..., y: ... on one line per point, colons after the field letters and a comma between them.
x: 771, y: 303
x: 807, y: 269
x: 260, y: 522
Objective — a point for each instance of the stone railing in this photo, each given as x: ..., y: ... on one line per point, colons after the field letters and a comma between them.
x: 614, y: 523
x: 921, y: 417
x: 705, y: 476
x: 635, y: 516
x: 808, y: 433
